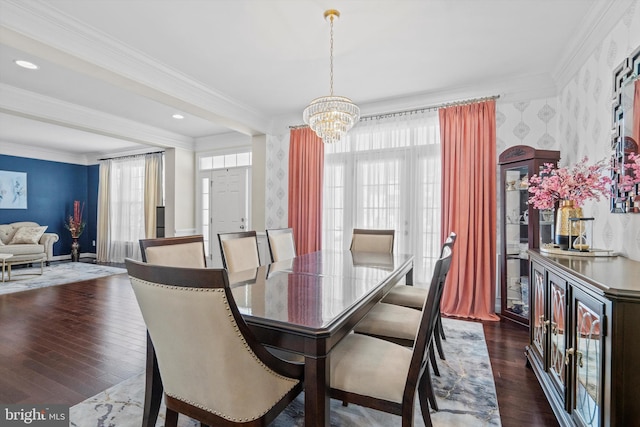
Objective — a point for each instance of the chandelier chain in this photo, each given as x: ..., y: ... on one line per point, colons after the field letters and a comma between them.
x: 331, y: 58
x: 330, y: 117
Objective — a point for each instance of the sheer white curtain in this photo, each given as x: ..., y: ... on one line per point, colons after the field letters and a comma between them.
x: 127, y: 184
x: 387, y: 175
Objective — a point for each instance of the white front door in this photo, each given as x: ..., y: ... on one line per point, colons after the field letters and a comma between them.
x: 225, y: 207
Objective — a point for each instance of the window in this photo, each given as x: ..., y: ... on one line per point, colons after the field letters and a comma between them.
x: 387, y: 175
x: 222, y: 161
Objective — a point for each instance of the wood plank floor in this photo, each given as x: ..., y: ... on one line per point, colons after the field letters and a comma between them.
x: 66, y: 343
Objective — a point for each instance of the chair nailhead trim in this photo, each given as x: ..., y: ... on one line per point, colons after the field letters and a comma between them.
x: 244, y: 342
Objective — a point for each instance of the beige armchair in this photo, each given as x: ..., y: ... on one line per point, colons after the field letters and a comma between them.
x: 213, y: 368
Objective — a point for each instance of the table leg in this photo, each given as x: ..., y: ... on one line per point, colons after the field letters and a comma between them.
x: 409, y: 277
x: 316, y: 392
x: 153, y: 388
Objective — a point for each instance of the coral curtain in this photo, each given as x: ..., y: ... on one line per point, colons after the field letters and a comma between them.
x: 468, y: 140
x: 306, y: 167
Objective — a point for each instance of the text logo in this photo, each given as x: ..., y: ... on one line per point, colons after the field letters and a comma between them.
x: 34, y: 415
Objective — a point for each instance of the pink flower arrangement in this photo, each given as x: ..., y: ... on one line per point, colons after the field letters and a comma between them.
x: 627, y: 182
x: 75, y: 224
x: 579, y: 183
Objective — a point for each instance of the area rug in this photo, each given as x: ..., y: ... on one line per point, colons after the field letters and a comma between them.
x: 24, y: 279
x: 465, y: 393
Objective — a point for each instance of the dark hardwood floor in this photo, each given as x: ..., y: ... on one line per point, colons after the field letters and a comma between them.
x: 66, y: 343
x: 520, y: 397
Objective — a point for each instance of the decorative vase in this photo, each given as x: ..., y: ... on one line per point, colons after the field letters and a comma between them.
x: 567, y: 210
x: 75, y: 250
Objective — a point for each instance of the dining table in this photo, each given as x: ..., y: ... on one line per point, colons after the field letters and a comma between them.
x: 304, y: 305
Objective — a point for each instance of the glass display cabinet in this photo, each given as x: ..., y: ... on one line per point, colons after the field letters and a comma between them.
x: 521, y: 226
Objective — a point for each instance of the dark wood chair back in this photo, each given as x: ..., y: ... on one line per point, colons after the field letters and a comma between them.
x: 281, y: 243
x: 239, y: 250
x: 424, y: 337
x: 184, y: 251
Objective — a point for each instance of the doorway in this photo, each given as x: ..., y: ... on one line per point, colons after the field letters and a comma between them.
x: 225, y: 207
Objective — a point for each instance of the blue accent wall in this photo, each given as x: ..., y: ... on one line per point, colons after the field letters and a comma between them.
x: 51, y: 189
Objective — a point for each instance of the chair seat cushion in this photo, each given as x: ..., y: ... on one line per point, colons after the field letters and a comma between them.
x: 388, y: 320
x: 407, y: 296
x: 370, y: 367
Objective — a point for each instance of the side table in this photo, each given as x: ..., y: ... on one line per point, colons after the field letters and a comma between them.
x: 4, y: 258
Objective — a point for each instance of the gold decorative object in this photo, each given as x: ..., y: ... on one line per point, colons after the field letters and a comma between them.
x: 567, y: 210
x: 331, y: 116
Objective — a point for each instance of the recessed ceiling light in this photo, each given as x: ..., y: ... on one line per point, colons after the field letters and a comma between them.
x: 178, y: 116
x: 26, y: 64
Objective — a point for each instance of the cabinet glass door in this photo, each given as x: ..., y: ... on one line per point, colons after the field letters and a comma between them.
x: 538, y: 318
x: 557, y: 335
x: 587, y: 360
x: 517, y: 240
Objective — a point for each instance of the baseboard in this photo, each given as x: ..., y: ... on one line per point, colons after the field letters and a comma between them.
x: 68, y: 257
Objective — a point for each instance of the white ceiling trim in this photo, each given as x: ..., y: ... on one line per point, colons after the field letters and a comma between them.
x: 602, y: 17
x: 519, y: 88
x: 53, y: 155
x: 37, y: 28
x: 51, y: 110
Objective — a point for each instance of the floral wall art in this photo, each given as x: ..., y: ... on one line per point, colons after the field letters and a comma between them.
x: 13, y: 190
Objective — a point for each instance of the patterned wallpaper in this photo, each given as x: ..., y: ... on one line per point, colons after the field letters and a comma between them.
x: 277, y: 181
x: 577, y: 123
x: 584, y: 127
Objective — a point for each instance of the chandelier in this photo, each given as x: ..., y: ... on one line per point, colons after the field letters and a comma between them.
x: 330, y: 117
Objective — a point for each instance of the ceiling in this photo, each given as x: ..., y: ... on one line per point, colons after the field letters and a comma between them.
x: 111, y: 72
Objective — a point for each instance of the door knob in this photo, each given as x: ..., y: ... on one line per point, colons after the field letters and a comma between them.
x: 242, y: 227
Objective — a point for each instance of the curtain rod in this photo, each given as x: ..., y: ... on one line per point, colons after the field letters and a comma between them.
x: 429, y: 108
x: 130, y: 156
x: 418, y: 110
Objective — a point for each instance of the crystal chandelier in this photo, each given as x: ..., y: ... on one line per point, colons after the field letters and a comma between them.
x: 331, y: 116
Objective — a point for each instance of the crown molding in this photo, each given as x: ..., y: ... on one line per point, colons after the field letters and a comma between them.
x: 38, y: 28
x: 21, y: 150
x: 601, y: 20
x: 51, y: 110
x: 516, y: 89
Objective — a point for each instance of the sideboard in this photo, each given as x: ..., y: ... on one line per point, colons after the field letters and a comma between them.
x: 584, y: 341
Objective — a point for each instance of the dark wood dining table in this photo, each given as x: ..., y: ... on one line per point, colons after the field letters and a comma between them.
x: 305, y: 305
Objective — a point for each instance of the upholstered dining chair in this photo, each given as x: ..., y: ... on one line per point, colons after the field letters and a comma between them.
x: 369, y: 240
x: 400, y: 324
x: 239, y: 250
x: 356, y: 375
x: 414, y: 297
x: 184, y: 251
x: 281, y: 244
x: 213, y: 368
